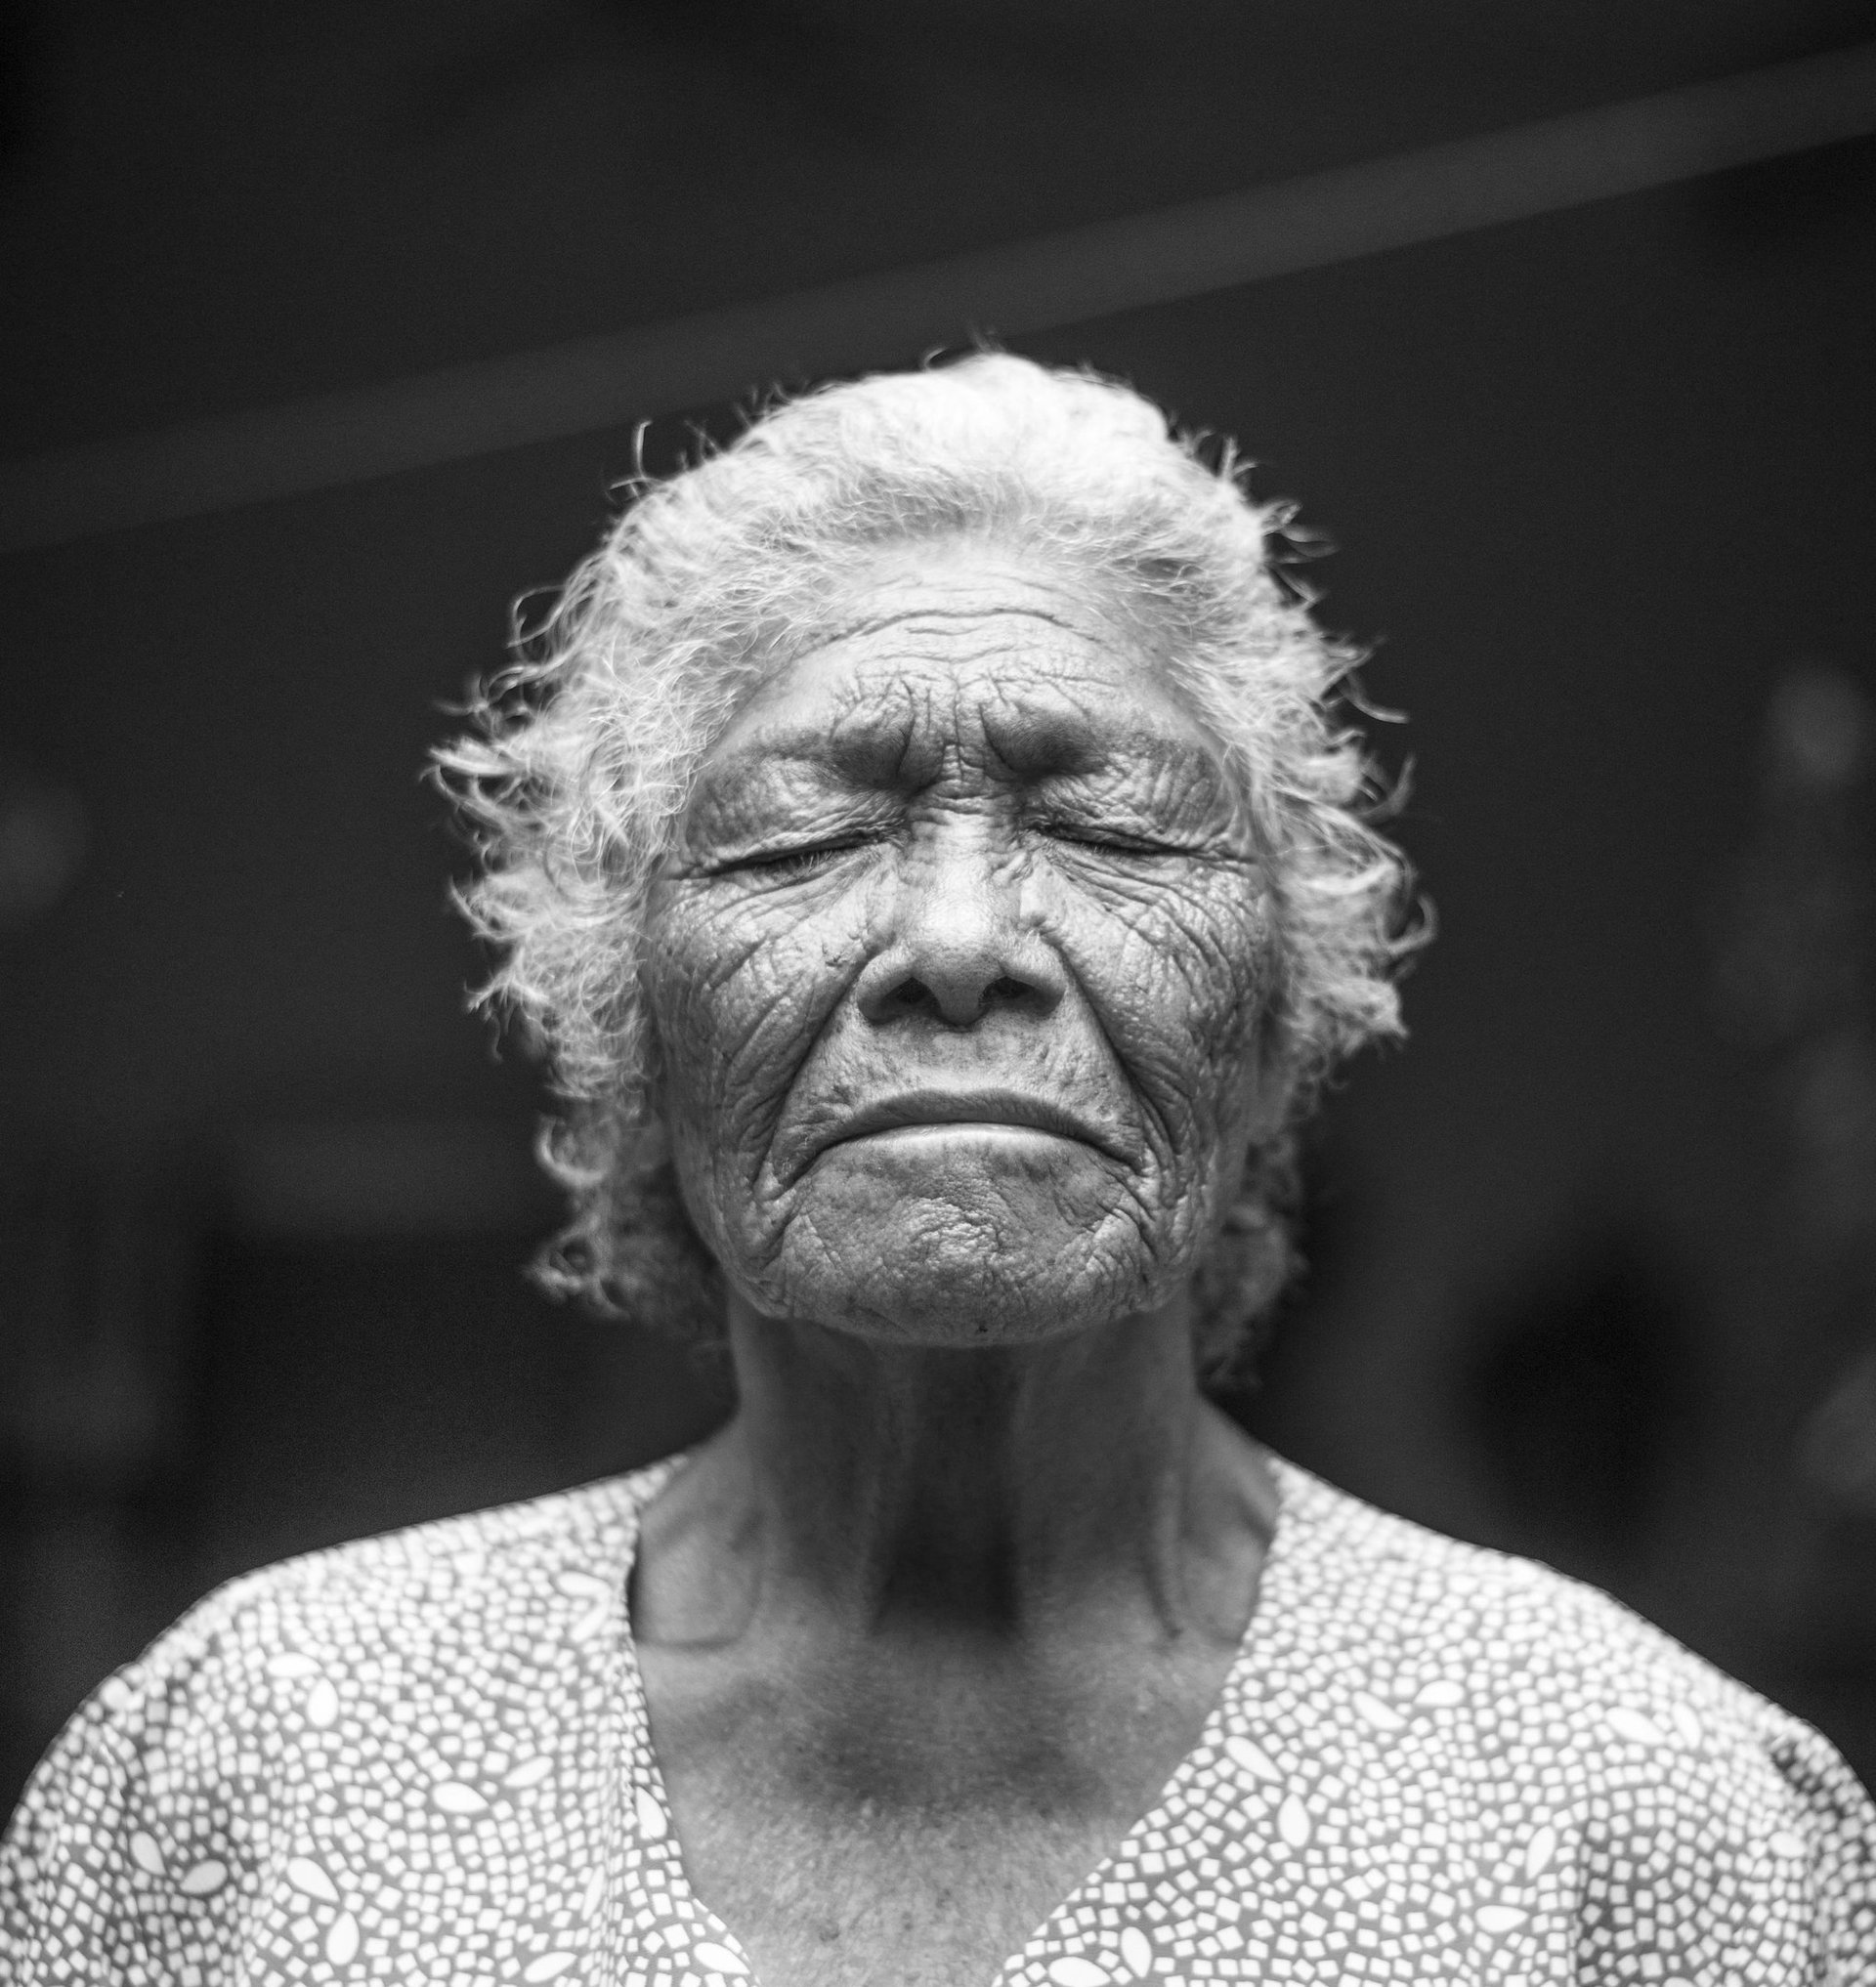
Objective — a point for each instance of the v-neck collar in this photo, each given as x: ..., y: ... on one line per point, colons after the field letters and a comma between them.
x: 1162, y: 1841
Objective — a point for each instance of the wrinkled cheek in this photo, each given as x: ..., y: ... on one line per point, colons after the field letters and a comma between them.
x: 682, y: 1016
x: 731, y: 1010
x: 1194, y: 990
x: 1193, y: 1044
x: 718, y: 1163
x: 692, y: 1003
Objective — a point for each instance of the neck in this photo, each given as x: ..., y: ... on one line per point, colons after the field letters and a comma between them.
x: 1003, y: 1492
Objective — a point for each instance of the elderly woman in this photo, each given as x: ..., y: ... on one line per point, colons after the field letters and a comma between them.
x: 925, y: 848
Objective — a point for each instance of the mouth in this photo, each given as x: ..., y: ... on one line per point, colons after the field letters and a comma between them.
x: 928, y: 1110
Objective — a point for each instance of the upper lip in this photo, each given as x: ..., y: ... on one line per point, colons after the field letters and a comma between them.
x: 970, y: 1107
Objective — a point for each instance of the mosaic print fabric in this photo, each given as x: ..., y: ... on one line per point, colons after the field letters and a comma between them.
x: 425, y: 1757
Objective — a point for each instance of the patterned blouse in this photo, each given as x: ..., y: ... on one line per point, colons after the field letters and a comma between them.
x: 425, y: 1756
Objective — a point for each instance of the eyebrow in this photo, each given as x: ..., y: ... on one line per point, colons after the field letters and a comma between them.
x: 875, y: 747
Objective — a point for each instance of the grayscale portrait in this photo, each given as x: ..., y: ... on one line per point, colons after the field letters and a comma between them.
x: 936, y: 847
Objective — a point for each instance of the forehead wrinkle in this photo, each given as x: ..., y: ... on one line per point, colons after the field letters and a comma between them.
x: 1051, y: 730
x: 991, y: 608
x: 1054, y: 722
x: 874, y: 718
x: 874, y: 741
x: 1084, y: 730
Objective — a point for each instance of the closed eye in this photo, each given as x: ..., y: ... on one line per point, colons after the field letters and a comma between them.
x: 1108, y: 841
x: 782, y: 863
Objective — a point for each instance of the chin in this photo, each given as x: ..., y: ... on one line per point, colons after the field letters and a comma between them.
x: 961, y: 1241
x: 931, y: 1273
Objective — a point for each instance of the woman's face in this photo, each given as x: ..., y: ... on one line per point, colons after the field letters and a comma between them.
x: 958, y: 970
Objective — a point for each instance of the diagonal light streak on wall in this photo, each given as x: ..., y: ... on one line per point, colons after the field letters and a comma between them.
x: 1085, y: 272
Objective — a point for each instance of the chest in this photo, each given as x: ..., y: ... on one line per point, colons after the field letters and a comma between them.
x: 818, y: 1902
x: 857, y: 1828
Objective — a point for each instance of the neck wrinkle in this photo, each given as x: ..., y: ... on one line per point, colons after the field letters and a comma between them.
x: 991, y: 1494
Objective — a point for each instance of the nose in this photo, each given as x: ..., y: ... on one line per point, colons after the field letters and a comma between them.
x: 960, y: 948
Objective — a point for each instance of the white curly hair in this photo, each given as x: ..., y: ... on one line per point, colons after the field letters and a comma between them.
x: 585, y: 749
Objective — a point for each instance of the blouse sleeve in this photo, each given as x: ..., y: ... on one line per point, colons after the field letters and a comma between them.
x: 1835, y: 1822
x: 64, y: 1895
x: 124, y: 1861
x: 1758, y: 1872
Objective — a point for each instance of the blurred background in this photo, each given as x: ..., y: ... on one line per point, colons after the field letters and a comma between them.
x: 1593, y: 1257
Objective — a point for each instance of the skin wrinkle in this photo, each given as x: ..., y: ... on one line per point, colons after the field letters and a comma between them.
x: 1149, y: 1096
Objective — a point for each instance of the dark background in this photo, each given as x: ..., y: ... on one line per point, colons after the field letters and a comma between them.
x: 1592, y: 1256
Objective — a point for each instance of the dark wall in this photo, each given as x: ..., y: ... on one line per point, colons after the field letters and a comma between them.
x: 1601, y: 483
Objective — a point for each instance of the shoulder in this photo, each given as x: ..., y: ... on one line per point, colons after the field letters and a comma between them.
x: 412, y: 1598
x: 1490, y: 1616
x: 1566, y: 1706
x: 297, y: 1688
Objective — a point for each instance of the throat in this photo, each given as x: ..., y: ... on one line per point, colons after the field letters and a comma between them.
x: 993, y: 1495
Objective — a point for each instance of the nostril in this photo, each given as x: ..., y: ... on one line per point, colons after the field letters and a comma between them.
x: 909, y: 996
x: 953, y: 994
x: 959, y: 1004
